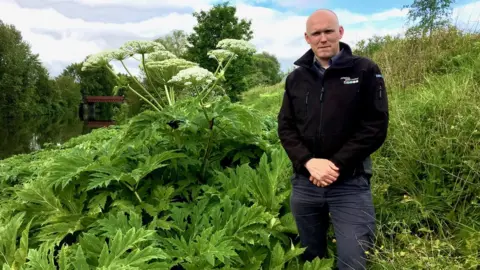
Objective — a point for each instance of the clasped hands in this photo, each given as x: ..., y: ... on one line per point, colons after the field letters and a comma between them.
x: 322, y: 171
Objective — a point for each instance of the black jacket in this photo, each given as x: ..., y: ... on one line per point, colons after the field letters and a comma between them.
x: 342, y: 116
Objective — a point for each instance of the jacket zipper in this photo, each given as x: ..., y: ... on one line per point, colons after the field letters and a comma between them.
x: 322, y: 93
x: 306, y: 104
x: 380, y: 90
x: 319, y: 129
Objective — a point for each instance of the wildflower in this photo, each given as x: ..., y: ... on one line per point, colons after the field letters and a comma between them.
x: 193, y: 76
x: 237, y: 46
x: 97, y: 60
x: 220, y: 54
x: 119, y: 54
x: 142, y: 47
x: 159, y: 56
x: 173, y: 65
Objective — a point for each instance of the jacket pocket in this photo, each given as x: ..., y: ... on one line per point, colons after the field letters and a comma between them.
x: 381, y: 100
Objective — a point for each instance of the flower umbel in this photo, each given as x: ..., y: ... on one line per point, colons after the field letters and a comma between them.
x: 193, y: 76
x: 159, y: 56
x: 175, y: 64
x: 97, y: 60
x: 237, y: 46
x: 142, y: 47
x: 220, y: 54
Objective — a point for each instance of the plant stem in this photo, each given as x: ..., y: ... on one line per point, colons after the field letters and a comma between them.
x: 168, y: 95
x: 138, y: 197
x: 142, y: 97
x: 208, y: 149
x: 111, y: 71
x: 208, y: 90
x: 148, y: 76
x: 143, y: 88
x: 134, y: 191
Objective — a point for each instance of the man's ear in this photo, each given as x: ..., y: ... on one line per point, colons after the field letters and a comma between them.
x: 342, y: 31
x: 307, y: 39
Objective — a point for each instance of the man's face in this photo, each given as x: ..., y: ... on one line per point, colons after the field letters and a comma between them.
x: 323, y: 34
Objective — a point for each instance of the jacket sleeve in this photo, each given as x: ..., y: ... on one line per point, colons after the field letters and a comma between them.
x: 288, y: 133
x: 372, y: 129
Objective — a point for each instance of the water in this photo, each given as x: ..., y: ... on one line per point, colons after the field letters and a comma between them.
x: 20, y: 135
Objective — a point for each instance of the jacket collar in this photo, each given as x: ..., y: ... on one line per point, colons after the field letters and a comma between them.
x: 342, y: 59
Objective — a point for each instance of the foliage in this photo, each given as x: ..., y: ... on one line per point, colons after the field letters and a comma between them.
x: 98, y: 82
x: 166, y: 189
x: 265, y: 70
x: 407, y: 61
x: 26, y: 88
x: 202, y: 183
x: 145, y: 195
x: 217, y: 24
x: 175, y: 42
x: 431, y: 15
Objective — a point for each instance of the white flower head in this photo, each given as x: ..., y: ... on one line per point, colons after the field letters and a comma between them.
x: 142, y: 47
x: 220, y: 54
x: 102, y: 58
x: 175, y: 64
x: 193, y: 76
x: 97, y: 60
x: 237, y: 46
x: 119, y: 54
x: 159, y: 56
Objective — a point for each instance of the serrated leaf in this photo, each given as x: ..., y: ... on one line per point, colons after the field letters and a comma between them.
x: 22, y: 252
x: 319, y: 264
x: 277, y: 257
x: 68, y: 166
x: 80, y: 262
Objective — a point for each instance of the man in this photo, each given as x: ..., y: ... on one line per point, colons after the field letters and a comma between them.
x: 334, y: 115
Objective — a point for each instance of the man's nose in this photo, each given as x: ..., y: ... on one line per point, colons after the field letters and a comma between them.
x: 323, y: 37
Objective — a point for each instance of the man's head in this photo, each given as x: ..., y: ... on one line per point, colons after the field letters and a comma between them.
x: 323, y: 33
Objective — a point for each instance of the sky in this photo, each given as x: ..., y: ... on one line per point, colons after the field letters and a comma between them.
x: 62, y: 32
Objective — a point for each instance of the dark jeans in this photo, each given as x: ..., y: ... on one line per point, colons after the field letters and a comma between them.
x: 352, y: 213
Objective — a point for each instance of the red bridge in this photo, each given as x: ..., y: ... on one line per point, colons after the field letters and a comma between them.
x: 102, y: 99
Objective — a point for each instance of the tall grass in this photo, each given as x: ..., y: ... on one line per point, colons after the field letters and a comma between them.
x: 426, y: 182
x: 406, y: 61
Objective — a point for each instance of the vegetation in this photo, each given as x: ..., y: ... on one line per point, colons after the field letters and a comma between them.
x: 197, y: 181
x: 25, y: 86
x: 429, y: 15
x: 221, y: 23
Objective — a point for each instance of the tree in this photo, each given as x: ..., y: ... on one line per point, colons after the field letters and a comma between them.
x: 99, y: 82
x: 175, y: 42
x: 432, y: 14
x: 20, y: 72
x: 220, y: 23
x: 265, y: 70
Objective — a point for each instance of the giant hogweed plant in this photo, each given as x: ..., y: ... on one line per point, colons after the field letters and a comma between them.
x: 194, y: 183
x: 180, y: 89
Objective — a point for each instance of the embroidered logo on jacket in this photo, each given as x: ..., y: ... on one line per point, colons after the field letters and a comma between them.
x: 348, y: 80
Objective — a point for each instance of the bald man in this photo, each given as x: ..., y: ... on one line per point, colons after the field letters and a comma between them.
x: 334, y: 115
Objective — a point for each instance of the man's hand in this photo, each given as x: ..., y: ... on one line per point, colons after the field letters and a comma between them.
x: 322, y: 171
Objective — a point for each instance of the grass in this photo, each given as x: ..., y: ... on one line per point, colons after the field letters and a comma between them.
x: 426, y: 184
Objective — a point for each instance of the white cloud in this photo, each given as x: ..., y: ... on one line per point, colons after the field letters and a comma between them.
x: 279, y: 33
x: 79, y: 38
x: 282, y: 33
x: 195, y: 4
x: 467, y: 16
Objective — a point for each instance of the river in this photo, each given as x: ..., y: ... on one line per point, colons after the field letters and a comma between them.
x: 20, y: 135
